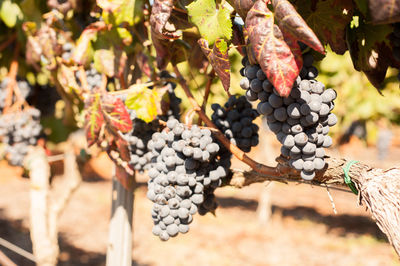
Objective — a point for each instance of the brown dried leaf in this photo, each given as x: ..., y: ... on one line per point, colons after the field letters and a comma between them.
x: 162, y: 51
x: 160, y: 27
x: 219, y: 59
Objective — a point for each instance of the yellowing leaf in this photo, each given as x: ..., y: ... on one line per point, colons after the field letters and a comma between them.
x: 145, y: 102
x: 213, y: 23
x: 10, y: 13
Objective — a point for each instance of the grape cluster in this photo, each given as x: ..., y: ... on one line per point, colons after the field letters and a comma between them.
x: 184, y: 174
x: 141, y: 132
x: 138, y: 139
x: 67, y: 50
x: 24, y: 88
x: 93, y: 78
x: 300, y: 121
x: 235, y: 120
x: 18, y: 130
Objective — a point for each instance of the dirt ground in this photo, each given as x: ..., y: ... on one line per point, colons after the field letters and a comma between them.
x: 302, y: 230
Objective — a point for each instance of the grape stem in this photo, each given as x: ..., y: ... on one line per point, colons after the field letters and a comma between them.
x: 207, y: 90
x: 258, y: 167
x: 10, y: 40
x: 12, y: 79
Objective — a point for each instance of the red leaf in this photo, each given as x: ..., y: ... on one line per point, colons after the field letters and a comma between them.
x: 295, y: 48
x: 242, y: 7
x: 292, y: 23
x: 115, y: 114
x: 94, y: 119
x: 270, y: 49
x: 219, y: 59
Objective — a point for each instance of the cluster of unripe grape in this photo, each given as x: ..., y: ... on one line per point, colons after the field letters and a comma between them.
x: 235, y: 120
x: 300, y: 121
x: 184, y: 172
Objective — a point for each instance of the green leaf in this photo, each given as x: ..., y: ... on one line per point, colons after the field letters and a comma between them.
x: 121, y: 11
x: 362, y: 6
x: 31, y: 11
x: 10, y: 13
x: 213, y: 23
x: 130, y: 11
x: 145, y: 102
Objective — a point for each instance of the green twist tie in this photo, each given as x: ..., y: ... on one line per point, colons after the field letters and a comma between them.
x: 347, y: 179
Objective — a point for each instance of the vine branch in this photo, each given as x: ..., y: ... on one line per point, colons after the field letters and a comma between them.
x: 207, y: 90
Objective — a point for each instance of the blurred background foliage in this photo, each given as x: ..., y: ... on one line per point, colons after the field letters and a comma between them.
x: 358, y: 100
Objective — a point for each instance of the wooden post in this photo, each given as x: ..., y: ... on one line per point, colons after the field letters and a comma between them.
x: 119, y: 249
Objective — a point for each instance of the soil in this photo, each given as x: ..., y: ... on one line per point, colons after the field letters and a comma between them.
x: 302, y: 229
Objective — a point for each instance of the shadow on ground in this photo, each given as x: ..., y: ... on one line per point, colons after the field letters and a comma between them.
x: 341, y: 224
x: 14, y: 232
